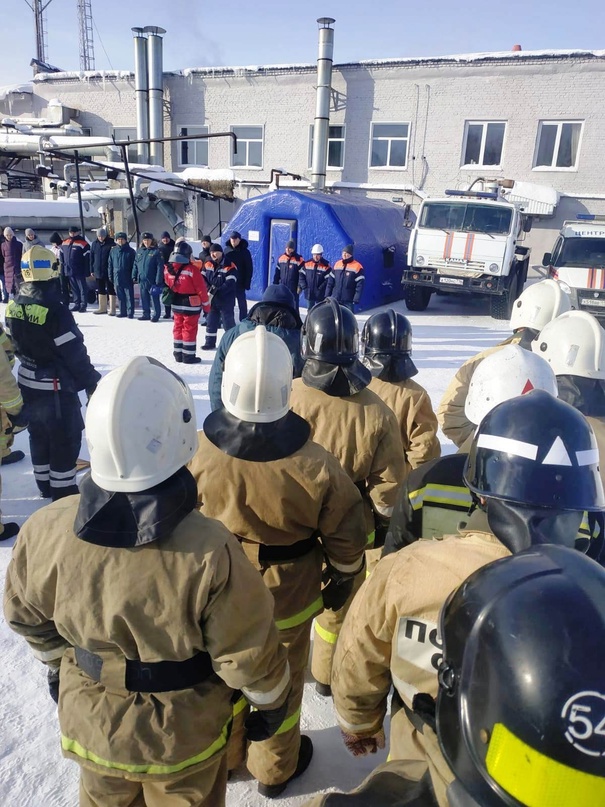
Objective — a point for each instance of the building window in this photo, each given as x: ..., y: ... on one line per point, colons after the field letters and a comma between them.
x: 128, y: 133
x: 389, y: 145
x: 336, y: 146
x: 558, y: 144
x: 483, y: 142
x: 249, y: 147
x: 192, y: 152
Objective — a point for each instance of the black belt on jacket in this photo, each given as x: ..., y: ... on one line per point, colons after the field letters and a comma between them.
x: 153, y: 676
x: 282, y: 553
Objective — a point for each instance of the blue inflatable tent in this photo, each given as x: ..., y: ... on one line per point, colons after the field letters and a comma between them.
x: 375, y: 227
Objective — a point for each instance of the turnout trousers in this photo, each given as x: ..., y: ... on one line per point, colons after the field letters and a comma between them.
x: 55, y: 427
x: 296, y: 589
x: 203, y: 788
x: 184, y: 332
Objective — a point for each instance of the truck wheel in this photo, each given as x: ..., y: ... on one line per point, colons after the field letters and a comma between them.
x: 502, y: 305
x: 417, y: 298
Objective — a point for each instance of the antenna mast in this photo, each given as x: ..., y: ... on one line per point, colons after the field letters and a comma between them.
x: 39, y: 7
x: 87, y: 50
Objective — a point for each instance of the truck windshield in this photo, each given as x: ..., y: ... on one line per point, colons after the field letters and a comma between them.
x: 466, y: 217
x: 582, y: 252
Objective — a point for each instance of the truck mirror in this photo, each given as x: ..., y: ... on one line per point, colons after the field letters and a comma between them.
x: 547, y: 259
x: 527, y: 223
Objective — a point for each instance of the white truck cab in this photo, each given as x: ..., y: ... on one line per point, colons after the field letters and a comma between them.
x: 468, y: 243
x: 577, y: 262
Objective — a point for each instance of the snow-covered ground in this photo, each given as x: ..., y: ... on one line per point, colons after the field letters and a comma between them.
x: 32, y: 770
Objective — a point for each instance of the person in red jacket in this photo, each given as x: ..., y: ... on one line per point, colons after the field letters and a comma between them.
x: 189, y: 297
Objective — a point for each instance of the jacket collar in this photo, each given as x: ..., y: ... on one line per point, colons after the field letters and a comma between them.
x: 278, y: 315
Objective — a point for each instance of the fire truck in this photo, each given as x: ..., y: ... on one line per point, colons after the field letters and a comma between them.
x: 578, y: 262
x: 469, y: 242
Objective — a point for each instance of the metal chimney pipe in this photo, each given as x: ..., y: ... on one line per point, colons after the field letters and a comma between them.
x: 155, y: 69
x: 141, y: 87
x: 321, y: 125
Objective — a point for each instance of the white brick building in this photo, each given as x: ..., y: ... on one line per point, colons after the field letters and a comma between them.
x: 530, y: 116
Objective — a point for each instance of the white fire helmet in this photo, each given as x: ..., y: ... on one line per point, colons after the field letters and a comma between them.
x: 505, y: 374
x: 573, y: 344
x: 258, y: 377
x: 317, y: 249
x: 140, y: 426
x: 539, y: 304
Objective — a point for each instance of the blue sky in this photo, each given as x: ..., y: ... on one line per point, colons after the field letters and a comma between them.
x: 243, y: 32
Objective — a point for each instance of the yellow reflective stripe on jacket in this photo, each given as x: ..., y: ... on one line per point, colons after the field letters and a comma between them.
x: 289, y: 722
x: 74, y: 747
x: 456, y: 495
x: 324, y: 634
x: 239, y: 706
x: 32, y: 312
x: 371, y: 539
x: 13, y: 403
x: 301, y: 616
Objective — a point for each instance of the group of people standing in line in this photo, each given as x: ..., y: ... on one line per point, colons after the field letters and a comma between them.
x: 156, y: 708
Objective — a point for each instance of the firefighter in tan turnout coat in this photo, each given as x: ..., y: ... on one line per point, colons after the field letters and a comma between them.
x: 536, y: 306
x: 386, y: 348
x: 292, y: 506
x: 390, y: 636
x: 163, y: 631
x: 354, y: 425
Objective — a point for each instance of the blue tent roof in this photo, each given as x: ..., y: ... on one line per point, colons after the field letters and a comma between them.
x: 376, y: 229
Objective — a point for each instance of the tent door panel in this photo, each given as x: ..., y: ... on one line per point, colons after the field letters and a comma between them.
x: 282, y: 230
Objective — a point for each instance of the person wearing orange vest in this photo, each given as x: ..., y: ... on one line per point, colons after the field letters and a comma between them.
x: 289, y: 268
x: 346, y: 280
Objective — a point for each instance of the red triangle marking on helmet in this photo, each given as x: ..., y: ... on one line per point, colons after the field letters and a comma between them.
x: 528, y: 387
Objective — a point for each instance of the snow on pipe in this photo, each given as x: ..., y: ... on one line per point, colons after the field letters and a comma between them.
x: 156, y: 91
x: 321, y: 125
x: 29, y: 145
x: 141, y: 86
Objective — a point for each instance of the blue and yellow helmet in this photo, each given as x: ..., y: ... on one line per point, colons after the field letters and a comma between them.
x: 38, y: 264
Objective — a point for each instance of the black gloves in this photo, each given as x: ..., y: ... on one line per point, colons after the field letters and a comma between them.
x: 18, y: 422
x: 337, y: 587
x: 260, y: 725
x: 53, y: 684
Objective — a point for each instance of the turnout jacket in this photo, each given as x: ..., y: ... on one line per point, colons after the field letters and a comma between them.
x: 185, y: 588
x: 417, y: 421
x: 49, y: 344
x: 362, y: 433
x: 148, y: 267
x: 389, y: 637
x: 283, y: 501
x: 346, y: 281
x: 120, y: 265
x: 75, y: 257
x: 281, y: 320
x: 221, y: 279
x: 313, y: 279
x: 99, y: 256
x: 450, y: 412
x: 288, y: 271
x: 188, y: 286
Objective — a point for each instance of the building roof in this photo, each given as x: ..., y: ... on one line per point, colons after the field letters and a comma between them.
x: 502, y: 57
